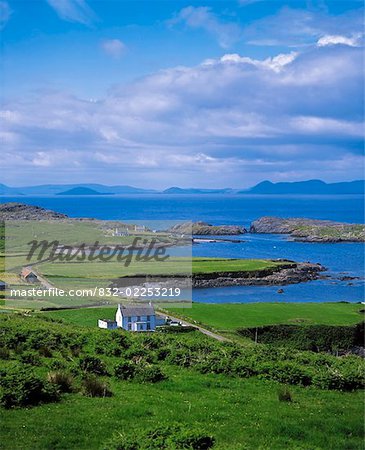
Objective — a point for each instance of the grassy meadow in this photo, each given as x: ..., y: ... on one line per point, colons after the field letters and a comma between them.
x: 230, y: 316
x: 242, y: 396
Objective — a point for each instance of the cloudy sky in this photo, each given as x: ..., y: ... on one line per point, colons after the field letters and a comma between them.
x: 162, y: 93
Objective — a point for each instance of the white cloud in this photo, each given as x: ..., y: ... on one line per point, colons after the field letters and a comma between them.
x: 276, y: 63
x: 233, y: 115
x: 74, y: 11
x: 113, y: 47
x: 5, y: 13
x: 294, y: 27
x: 353, y: 41
x: 202, y: 17
x: 325, y: 125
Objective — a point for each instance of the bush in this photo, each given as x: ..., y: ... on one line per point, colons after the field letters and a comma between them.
x: 318, y: 338
x: 45, y: 352
x: 4, y: 353
x: 162, y: 438
x: 149, y: 374
x: 94, y: 387
x: 285, y: 372
x: 57, y: 364
x: 125, y: 370
x: 284, y: 395
x: 20, y: 387
x: 30, y: 358
x: 63, y: 380
x: 91, y: 364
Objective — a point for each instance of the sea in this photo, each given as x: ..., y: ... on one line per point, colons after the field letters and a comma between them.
x: 340, y: 259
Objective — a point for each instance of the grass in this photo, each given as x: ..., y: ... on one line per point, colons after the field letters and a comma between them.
x: 229, y: 317
x: 85, y: 317
x: 241, y: 414
x: 212, y: 265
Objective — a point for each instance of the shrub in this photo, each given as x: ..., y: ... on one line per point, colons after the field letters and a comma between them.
x: 63, y: 380
x: 316, y: 338
x: 149, y: 374
x: 4, y: 353
x: 91, y: 364
x: 57, y: 364
x: 45, y: 351
x: 30, y: 358
x: 75, y: 350
x: 162, y: 438
x: 125, y: 370
x: 284, y: 395
x: 94, y: 387
x: 285, y: 372
x: 20, y: 387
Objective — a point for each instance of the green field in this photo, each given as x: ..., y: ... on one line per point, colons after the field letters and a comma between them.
x: 243, y: 411
x: 212, y: 265
x: 241, y: 414
x: 229, y: 317
x: 84, y: 317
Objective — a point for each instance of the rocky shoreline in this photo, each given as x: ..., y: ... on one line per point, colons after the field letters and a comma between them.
x: 206, y: 229
x: 310, y: 230
x: 21, y: 211
x: 290, y: 273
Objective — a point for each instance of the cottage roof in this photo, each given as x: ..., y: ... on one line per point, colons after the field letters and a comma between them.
x: 129, y: 311
x: 26, y: 271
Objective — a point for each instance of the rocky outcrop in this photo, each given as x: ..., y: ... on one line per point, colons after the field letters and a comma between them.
x: 290, y: 273
x: 310, y: 230
x: 206, y: 229
x: 21, y: 211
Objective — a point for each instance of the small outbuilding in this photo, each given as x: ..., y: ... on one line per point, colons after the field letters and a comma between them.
x: 28, y: 275
x: 107, y: 324
x: 3, y: 285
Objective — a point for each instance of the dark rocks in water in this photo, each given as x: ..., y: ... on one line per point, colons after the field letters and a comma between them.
x: 290, y: 273
x: 310, y: 230
x: 206, y: 229
x: 280, y: 291
x: 21, y: 211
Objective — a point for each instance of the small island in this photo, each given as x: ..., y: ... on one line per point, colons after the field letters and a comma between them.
x: 83, y: 191
x: 310, y: 230
x: 206, y: 229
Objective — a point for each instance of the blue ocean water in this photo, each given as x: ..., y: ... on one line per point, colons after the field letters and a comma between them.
x: 343, y: 259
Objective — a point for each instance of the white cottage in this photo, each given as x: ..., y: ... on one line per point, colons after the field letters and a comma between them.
x: 136, y: 318
x: 107, y: 324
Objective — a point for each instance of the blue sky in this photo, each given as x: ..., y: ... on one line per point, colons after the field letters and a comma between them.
x: 161, y: 93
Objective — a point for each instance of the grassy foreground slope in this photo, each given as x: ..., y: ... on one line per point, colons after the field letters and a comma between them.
x: 224, y: 390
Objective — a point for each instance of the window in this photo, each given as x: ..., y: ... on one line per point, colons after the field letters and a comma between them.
x: 138, y: 318
x: 148, y: 326
x: 148, y: 318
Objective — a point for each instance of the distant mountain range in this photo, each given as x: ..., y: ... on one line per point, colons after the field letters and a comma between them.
x: 308, y: 187
x: 315, y: 187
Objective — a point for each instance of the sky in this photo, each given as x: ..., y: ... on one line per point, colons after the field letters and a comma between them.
x: 155, y: 94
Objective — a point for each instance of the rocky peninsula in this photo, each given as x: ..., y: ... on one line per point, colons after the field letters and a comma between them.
x: 206, y: 229
x: 288, y: 273
x: 310, y: 230
x: 21, y: 211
